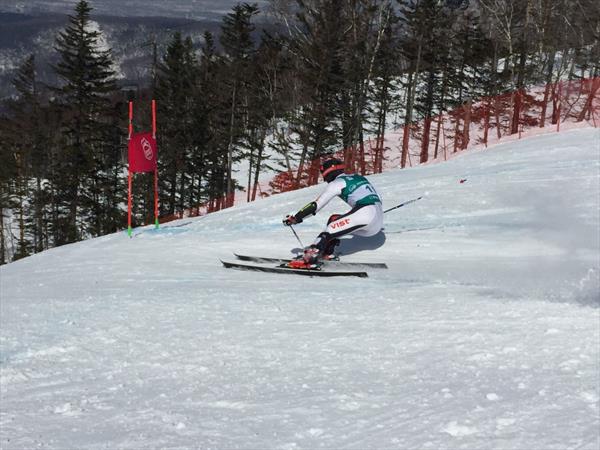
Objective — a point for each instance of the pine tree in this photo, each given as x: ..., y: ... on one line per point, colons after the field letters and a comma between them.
x: 21, y: 148
x: 28, y: 136
x: 317, y: 46
x: 377, y: 94
x: 262, y: 91
x: 82, y: 171
x: 412, y: 48
x: 238, y: 48
x: 8, y: 173
x: 175, y: 93
x: 210, y: 127
x: 425, y: 44
x: 202, y: 118
x: 387, y: 68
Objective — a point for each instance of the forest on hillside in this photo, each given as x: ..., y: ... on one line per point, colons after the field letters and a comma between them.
x: 336, y: 73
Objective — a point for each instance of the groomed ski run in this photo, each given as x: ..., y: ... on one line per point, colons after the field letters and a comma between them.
x: 482, y: 334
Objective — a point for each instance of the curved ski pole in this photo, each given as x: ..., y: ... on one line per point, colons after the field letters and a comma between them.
x: 403, y: 204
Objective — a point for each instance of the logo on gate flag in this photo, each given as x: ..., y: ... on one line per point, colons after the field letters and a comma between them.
x: 142, y: 152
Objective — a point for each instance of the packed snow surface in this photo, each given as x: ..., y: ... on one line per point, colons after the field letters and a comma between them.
x: 484, y: 332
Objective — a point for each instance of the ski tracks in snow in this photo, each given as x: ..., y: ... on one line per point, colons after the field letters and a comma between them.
x: 481, y: 334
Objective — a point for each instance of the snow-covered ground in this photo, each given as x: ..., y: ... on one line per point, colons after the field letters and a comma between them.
x: 484, y: 333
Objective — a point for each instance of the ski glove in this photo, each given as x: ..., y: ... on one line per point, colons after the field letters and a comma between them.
x: 291, y: 220
x: 309, y: 209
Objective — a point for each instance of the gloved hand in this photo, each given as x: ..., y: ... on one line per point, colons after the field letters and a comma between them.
x: 291, y: 220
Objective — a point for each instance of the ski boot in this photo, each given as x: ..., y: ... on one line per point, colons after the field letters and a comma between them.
x: 311, y: 255
x: 329, y: 252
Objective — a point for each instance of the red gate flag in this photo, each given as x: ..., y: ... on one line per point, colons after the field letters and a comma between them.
x: 142, y: 153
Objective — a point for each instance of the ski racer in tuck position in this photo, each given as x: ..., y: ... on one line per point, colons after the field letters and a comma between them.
x: 364, y: 219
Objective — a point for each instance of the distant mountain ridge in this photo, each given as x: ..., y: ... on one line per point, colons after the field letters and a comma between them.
x: 190, y: 9
x: 32, y: 27
x: 22, y: 35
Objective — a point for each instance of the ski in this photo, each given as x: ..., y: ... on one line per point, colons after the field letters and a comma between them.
x: 317, y: 272
x: 332, y: 263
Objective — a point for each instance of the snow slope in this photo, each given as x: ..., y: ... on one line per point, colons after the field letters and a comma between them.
x: 483, y: 333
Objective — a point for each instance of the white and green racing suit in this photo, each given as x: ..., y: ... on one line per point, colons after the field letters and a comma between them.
x: 366, y: 216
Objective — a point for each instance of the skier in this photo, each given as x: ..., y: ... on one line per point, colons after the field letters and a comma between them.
x: 364, y: 219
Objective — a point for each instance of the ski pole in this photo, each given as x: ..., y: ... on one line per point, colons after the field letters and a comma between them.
x: 296, y: 234
x: 403, y: 204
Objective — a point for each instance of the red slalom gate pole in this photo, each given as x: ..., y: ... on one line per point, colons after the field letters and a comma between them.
x: 154, y: 118
x: 130, y: 119
x: 156, y: 168
x: 129, y: 176
x: 155, y: 198
x: 129, y: 204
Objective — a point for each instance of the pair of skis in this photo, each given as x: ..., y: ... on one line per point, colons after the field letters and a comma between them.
x: 329, y: 268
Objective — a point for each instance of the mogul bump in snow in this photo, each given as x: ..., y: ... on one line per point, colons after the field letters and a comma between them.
x: 364, y: 219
